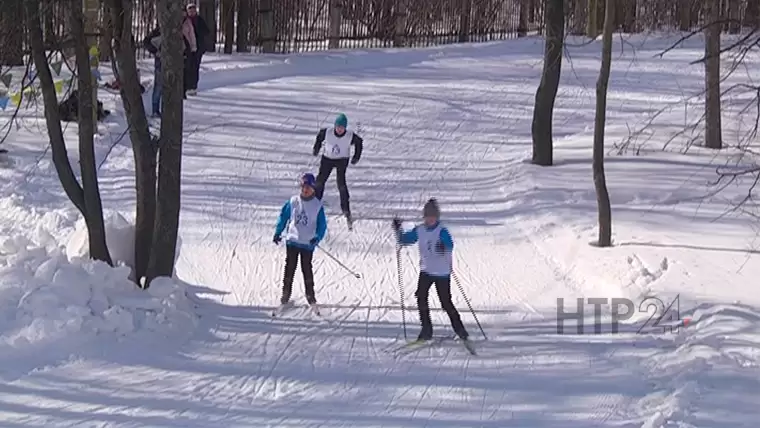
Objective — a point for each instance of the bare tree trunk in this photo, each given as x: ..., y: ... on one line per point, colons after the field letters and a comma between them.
x: 600, y: 182
x: 228, y: 23
x: 592, y: 27
x: 243, y: 26
x: 12, y: 33
x: 734, y: 15
x: 142, y: 144
x: 543, y: 111
x: 713, y: 132
x: 106, y: 30
x: 93, y: 215
x: 629, y: 17
x: 684, y: 16
x: 581, y: 10
x: 52, y: 119
x: 170, y: 152
x: 752, y: 14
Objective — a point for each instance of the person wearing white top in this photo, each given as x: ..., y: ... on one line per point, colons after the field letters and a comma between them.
x: 335, y: 144
x: 303, y: 221
x: 435, y: 246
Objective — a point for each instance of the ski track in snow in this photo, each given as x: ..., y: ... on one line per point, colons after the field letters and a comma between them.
x: 448, y: 122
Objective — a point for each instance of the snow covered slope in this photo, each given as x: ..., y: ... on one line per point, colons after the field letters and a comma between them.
x: 451, y: 122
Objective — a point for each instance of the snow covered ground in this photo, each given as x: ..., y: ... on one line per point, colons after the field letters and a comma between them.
x: 80, y: 347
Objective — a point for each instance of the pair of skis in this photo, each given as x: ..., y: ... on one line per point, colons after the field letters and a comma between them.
x: 418, y: 344
x: 286, y: 307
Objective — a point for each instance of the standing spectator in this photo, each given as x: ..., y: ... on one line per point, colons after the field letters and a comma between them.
x: 191, y: 52
x: 201, y: 34
x: 152, y: 43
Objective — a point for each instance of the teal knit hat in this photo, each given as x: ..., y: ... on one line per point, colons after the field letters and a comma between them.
x: 341, y: 120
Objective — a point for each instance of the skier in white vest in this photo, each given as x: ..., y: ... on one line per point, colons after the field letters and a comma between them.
x: 303, y: 220
x: 337, y: 142
x: 436, y: 247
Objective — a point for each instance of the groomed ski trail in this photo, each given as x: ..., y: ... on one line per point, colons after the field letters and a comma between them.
x: 447, y: 122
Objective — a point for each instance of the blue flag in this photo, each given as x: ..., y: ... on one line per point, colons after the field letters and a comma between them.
x: 4, y: 101
x: 96, y: 74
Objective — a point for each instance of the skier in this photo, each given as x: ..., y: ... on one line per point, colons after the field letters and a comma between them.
x: 306, y: 223
x: 337, y: 149
x: 436, y: 247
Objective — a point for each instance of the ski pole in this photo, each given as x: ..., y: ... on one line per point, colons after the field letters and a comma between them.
x: 335, y: 259
x: 401, y: 288
x: 461, y: 290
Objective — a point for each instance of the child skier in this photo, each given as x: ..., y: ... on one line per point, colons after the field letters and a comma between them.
x: 306, y: 223
x: 436, y: 247
x: 337, y: 142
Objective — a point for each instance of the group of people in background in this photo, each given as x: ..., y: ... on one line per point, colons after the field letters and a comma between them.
x: 194, y: 33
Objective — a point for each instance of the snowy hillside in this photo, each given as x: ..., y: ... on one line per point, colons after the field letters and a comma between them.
x: 80, y: 347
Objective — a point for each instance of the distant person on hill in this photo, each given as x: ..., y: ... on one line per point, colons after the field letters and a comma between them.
x: 337, y: 142
x: 201, y: 32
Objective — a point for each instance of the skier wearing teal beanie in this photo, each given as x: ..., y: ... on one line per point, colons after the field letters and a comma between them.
x: 336, y: 142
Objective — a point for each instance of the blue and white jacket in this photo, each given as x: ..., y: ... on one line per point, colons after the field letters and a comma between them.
x: 432, y: 239
x: 302, y: 220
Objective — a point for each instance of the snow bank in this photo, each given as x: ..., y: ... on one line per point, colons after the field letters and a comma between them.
x: 120, y: 238
x: 45, y: 297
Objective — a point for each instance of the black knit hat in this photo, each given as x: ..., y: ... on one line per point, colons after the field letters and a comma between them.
x: 431, y: 208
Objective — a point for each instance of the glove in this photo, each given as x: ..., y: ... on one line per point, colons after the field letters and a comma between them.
x: 276, y: 239
x: 439, y: 247
x: 354, y: 161
x: 314, y: 241
x: 396, y: 224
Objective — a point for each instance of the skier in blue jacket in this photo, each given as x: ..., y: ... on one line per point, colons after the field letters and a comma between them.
x: 304, y: 222
x: 436, y: 246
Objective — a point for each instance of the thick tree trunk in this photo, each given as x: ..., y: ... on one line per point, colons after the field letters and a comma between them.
x: 592, y: 27
x: 12, y: 32
x: 52, y: 119
x: 170, y: 153
x: 543, y: 111
x: 93, y: 216
x: 142, y: 144
x: 227, y: 14
x: 243, y: 26
x: 713, y: 133
x: 600, y: 182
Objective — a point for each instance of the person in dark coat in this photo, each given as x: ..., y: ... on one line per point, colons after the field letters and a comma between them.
x: 201, y: 38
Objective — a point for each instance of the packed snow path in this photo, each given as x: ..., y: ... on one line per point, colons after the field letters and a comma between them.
x: 450, y: 122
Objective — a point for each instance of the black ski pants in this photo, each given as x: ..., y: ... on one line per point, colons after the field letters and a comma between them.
x: 191, y: 70
x: 443, y: 287
x: 292, y: 255
x: 325, y: 169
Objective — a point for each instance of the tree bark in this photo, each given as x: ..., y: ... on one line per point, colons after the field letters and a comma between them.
x: 227, y: 14
x: 53, y: 121
x: 12, y: 33
x: 543, y: 111
x: 166, y: 226
x: 243, y: 26
x: 93, y: 205
x: 600, y: 182
x: 592, y: 27
x: 713, y: 132
x: 142, y: 145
